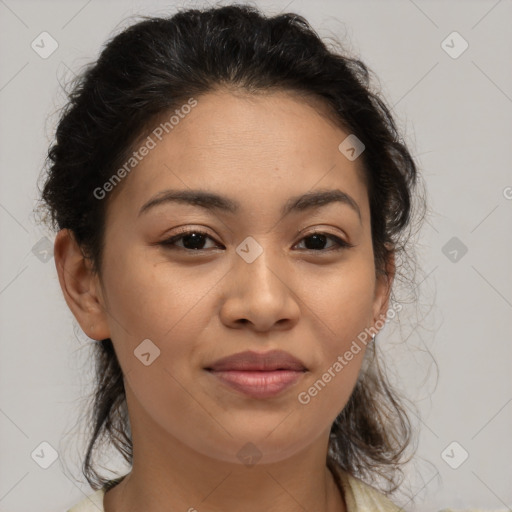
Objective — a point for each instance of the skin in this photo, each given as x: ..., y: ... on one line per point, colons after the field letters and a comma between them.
x: 187, y: 427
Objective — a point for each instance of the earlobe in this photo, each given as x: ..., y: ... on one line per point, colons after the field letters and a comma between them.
x: 383, y: 291
x: 78, y: 284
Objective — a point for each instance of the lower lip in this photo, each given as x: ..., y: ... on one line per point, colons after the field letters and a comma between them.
x: 259, y: 384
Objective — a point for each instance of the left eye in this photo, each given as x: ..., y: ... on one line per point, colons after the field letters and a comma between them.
x: 319, y: 238
x: 195, y: 241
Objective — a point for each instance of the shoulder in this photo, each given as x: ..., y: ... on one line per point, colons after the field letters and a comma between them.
x: 92, y: 503
x: 361, y: 497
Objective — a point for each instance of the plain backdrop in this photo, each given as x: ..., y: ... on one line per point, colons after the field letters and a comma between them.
x: 454, y: 107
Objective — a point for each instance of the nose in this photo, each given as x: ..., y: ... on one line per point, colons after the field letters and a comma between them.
x: 260, y: 295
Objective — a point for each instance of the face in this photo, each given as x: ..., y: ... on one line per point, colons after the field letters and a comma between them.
x: 184, y: 285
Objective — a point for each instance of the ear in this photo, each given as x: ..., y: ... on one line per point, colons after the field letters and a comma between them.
x: 383, y: 290
x: 80, y: 286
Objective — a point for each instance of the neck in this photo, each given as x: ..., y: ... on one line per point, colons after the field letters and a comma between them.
x: 169, y: 475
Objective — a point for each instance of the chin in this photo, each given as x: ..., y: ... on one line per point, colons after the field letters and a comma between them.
x: 253, y: 446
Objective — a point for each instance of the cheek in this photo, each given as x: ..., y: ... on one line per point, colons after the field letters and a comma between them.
x: 154, y: 301
x: 343, y: 312
x: 156, y: 298
x: 342, y: 302
x: 327, y: 392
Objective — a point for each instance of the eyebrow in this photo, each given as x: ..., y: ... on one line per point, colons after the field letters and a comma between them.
x: 212, y: 201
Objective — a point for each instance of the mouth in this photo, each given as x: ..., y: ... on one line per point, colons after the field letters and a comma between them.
x: 258, y: 375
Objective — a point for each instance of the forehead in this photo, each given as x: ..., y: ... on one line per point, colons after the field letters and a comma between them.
x: 258, y: 149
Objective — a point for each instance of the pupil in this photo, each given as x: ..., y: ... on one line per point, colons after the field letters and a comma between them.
x: 316, y: 245
x: 196, y: 239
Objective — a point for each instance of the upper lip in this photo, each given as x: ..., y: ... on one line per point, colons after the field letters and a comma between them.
x: 258, y: 361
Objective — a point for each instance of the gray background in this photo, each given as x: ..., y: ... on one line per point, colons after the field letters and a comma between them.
x: 456, y: 115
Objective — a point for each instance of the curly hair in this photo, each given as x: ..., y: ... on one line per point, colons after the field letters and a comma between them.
x: 148, y: 70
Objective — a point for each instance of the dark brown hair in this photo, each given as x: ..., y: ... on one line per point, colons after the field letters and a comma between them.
x: 153, y: 67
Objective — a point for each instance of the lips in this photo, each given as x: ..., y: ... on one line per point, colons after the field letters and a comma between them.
x: 258, y: 375
x: 258, y: 361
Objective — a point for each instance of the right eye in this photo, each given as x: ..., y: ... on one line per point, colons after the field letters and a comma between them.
x: 192, y: 238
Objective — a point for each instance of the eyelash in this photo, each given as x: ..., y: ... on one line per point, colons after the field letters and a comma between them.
x: 169, y: 243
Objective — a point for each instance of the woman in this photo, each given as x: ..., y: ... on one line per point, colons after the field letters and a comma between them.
x: 232, y: 203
